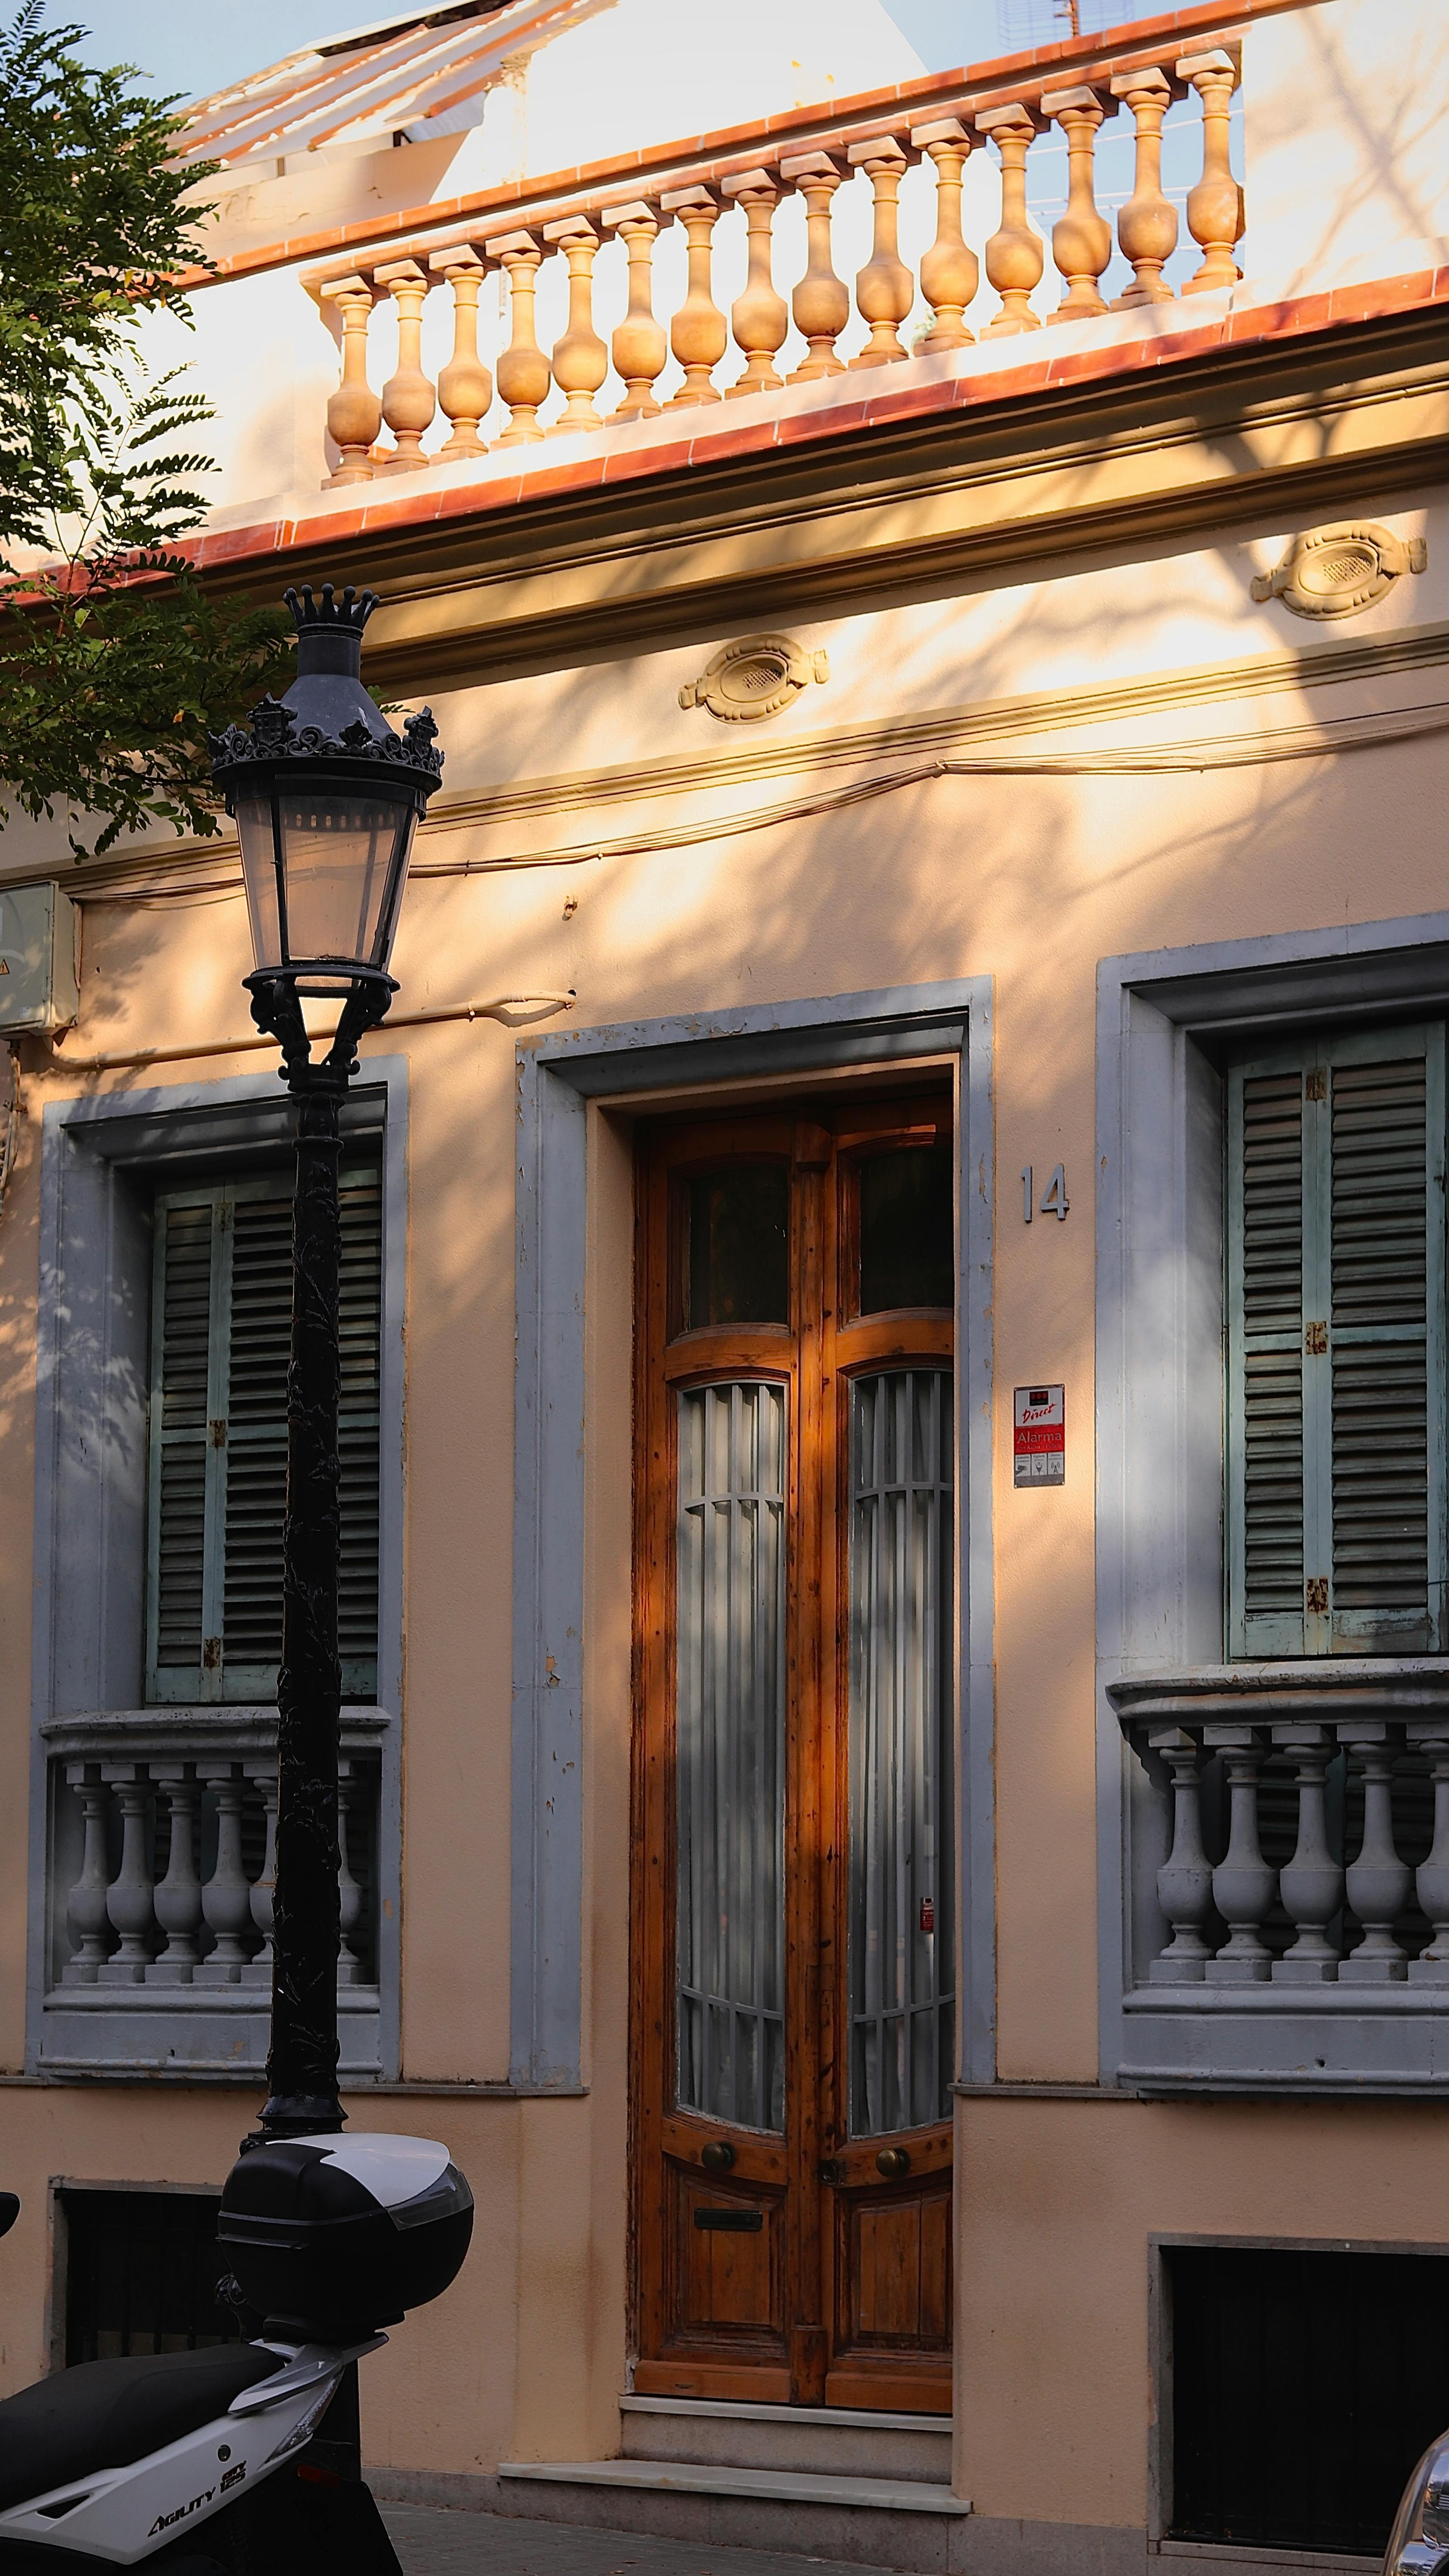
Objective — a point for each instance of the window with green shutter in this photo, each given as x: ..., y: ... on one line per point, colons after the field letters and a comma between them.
x: 1336, y: 1346
x: 220, y: 1336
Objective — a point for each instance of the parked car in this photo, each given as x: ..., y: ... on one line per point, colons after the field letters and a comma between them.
x: 1419, y: 2541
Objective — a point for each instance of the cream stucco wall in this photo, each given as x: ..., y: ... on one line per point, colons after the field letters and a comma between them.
x: 1364, y: 84
x: 1060, y: 2203
x: 610, y: 79
x: 640, y: 71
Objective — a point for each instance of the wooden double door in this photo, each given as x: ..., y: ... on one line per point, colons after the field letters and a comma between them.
x: 793, y: 1898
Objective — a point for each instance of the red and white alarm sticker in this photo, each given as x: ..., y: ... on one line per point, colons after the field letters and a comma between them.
x: 1039, y: 1435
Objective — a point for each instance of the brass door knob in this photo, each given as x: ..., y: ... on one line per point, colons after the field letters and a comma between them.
x: 718, y: 2156
x: 893, y: 2162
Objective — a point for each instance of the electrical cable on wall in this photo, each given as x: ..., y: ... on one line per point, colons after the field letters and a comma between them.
x: 1286, y: 742
x: 1318, y: 741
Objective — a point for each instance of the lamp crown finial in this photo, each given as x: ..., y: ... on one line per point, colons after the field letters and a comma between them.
x: 328, y: 614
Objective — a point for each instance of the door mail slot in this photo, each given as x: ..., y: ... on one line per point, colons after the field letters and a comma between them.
x: 743, y: 2222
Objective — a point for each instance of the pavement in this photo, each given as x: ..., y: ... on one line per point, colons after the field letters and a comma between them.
x: 431, y: 2541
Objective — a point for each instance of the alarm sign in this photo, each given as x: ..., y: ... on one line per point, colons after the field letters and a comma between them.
x: 1039, y: 1441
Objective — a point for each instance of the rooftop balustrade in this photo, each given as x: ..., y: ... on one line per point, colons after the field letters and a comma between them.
x: 697, y: 220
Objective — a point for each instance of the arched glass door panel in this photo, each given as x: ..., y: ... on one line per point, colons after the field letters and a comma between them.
x: 901, y: 1911
x: 730, y: 1754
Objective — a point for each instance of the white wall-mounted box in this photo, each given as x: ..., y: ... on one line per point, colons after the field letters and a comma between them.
x: 39, y: 959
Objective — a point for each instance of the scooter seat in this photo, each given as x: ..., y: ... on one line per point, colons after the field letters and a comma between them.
x: 105, y: 2414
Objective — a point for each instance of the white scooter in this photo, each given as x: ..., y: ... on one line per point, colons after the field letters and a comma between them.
x: 215, y: 2463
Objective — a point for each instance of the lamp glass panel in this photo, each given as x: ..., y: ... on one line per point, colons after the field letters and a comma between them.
x: 259, y: 870
x: 341, y: 852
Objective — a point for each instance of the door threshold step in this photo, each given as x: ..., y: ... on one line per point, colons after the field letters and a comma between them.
x: 751, y: 2410
x: 774, y: 2486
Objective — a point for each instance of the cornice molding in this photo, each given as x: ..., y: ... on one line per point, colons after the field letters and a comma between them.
x: 1272, y: 433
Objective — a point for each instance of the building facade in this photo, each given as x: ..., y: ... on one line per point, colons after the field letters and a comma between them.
x: 896, y: 1781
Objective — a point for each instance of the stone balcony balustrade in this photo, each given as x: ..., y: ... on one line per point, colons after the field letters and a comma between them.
x: 158, y: 1894
x: 858, y: 303
x: 1302, y: 1814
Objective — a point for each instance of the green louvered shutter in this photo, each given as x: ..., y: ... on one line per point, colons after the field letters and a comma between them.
x: 1336, y: 1374
x: 181, y: 1455
x: 359, y: 1427
x: 220, y: 1341
x: 258, y: 1345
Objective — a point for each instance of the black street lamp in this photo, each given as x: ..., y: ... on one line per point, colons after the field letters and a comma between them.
x: 326, y: 798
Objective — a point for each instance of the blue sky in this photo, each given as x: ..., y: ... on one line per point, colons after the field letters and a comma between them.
x: 195, y: 46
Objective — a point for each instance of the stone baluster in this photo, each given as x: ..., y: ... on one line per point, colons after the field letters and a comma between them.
x: 580, y: 360
x: 351, y: 1788
x: 408, y: 400
x: 1147, y: 224
x: 86, y: 1911
x: 264, y: 1888
x: 1215, y: 204
x: 465, y: 387
x: 354, y: 414
x: 884, y: 289
x: 1081, y: 238
x: 524, y: 376
x: 821, y: 301
x: 1185, y: 1880
x: 1431, y: 1968
x: 1015, y: 255
x: 699, y: 334
x: 178, y: 1894
x: 1311, y: 1883
x: 1378, y: 1882
x: 1243, y: 1882
x: 130, y: 1900
x: 640, y: 347
x: 758, y: 316
x: 950, y: 271
x: 226, y: 1899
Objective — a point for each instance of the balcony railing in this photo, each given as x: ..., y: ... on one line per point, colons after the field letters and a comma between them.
x: 1303, y: 1815
x: 850, y: 187
x: 161, y: 1865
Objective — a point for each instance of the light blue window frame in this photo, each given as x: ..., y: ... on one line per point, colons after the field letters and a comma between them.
x: 1167, y: 1020
x: 102, y: 1159
x: 558, y: 1076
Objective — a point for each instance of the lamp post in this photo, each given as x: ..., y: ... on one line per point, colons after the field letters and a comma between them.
x: 326, y: 799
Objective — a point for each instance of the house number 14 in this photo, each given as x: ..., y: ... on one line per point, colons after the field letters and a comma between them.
x: 1054, y: 1200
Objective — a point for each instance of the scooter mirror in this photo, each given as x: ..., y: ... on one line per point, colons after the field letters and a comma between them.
x: 9, y: 2211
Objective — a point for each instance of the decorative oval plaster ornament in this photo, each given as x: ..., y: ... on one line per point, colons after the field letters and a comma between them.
x: 755, y: 677
x: 1337, y: 571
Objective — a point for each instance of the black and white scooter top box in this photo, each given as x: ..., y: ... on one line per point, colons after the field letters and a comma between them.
x: 344, y: 2233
